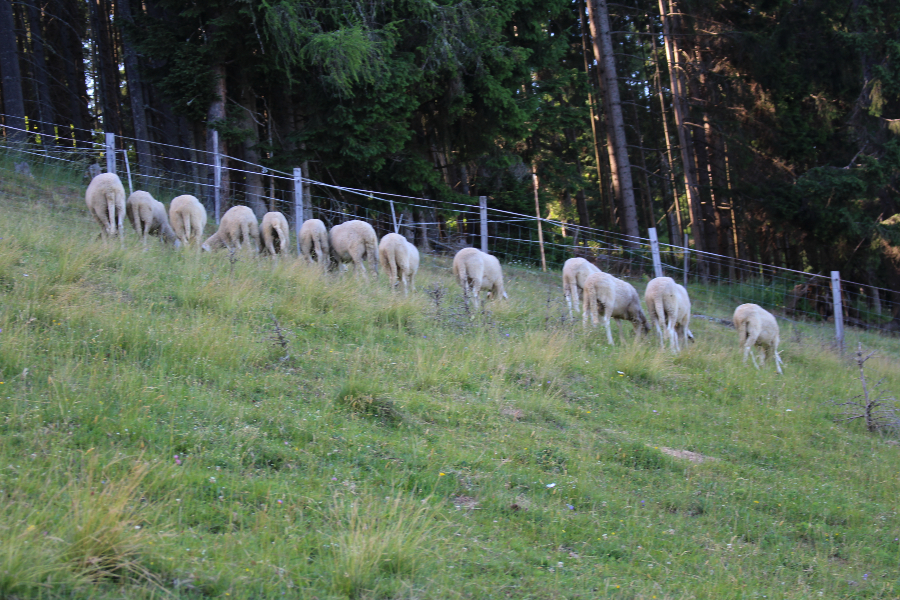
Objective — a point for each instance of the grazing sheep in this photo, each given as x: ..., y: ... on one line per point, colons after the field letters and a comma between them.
x: 575, y: 271
x: 275, y: 233
x: 669, y: 306
x: 188, y: 218
x: 105, y: 197
x: 617, y: 298
x: 239, y: 226
x: 756, y: 326
x: 148, y: 216
x: 475, y: 270
x: 314, y: 236
x: 399, y: 259
x: 354, y: 241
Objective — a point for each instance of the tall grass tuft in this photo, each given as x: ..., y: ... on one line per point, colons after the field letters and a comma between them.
x: 377, y: 540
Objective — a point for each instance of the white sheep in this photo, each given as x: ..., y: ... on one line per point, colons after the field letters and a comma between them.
x: 238, y: 227
x: 188, y: 218
x: 314, y: 236
x: 275, y: 233
x: 354, y: 241
x: 669, y: 306
x: 399, y: 259
x: 148, y: 216
x: 105, y: 198
x: 617, y: 299
x: 575, y: 271
x: 476, y: 270
x: 757, y: 327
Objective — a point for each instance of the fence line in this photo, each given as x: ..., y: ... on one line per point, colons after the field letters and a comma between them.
x: 450, y: 225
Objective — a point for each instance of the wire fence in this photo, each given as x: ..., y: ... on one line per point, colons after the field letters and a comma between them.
x: 718, y: 283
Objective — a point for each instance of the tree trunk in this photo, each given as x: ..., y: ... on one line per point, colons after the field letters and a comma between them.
x: 136, y: 93
x: 45, y: 115
x: 105, y: 66
x: 668, y: 173
x: 215, y: 117
x: 13, y: 99
x: 580, y: 204
x: 678, y: 104
x: 606, y: 60
x: 254, y: 191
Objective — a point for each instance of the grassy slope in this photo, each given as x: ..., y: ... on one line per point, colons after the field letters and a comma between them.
x: 403, y: 450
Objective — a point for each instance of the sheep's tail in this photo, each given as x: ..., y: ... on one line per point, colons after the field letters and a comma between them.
x: 463, y: 278
x: 245, y: 233
x: 282, y: 237
x: 111, y: 210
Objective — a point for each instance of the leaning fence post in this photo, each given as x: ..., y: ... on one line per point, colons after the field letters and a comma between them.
x: 654, y: 249
x: 537, y: 210
x: 838, y: 309
x: 482, y: 205
x: 128, y: 170
x: 217, y: 177
x: 298, y: 205
x: 110, y: 153
x: 686, y: 260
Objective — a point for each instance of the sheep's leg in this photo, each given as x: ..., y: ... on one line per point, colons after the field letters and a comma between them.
x: 568, y: 293
x: 606, y: 323
x: 778, y: 361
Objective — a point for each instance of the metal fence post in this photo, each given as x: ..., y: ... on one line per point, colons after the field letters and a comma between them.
x: 838, y: 309
x: 110, y: 153
x: 482, y: 205
x: 654, y: 249
x: 298, y: 205
x: 217, y: 177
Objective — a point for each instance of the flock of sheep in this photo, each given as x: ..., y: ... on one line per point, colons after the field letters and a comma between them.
x: 604, y: 297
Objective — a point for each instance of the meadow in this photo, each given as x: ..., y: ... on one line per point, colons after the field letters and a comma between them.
x: 177, y: 425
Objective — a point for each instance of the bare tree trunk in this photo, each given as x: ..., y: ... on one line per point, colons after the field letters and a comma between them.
x: 669, y: 175
x: 599, y: 20
x: 13, y: 98
x: 680, y: 109
x: 136, y: 93
x: 254, y: 191
x: 215, y: 116
x: 46, y: 115
x: 649, y: 219
x: 106, y: 70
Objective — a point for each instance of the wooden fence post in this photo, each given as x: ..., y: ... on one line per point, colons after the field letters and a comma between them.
x: 128, y: 171
x: 298, y: 205
x: 654, y: 249
x: 838, y: 309
x: 217, y: 177
x: 482, y: 205
x: 110, y: 153
x: 537, y: 212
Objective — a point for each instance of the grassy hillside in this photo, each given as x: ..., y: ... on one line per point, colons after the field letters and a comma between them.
x: 177, y: 425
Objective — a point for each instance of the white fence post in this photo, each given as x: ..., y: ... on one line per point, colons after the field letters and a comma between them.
x: 838, y: 309
x: 393, y: 217
x: 128, y: 170
x: 298, y: 205
x: 110, y: 153
x: 686, y: 260
x: 482, y: 205
x: 654, y: 249
x: 217, y: 177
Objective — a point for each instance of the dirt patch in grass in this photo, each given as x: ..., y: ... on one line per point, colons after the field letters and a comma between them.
x: 694, y: 457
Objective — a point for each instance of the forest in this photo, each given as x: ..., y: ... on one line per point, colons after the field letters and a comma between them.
x: 765, y: 130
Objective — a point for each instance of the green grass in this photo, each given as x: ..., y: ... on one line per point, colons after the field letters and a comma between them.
x: 404, y: 449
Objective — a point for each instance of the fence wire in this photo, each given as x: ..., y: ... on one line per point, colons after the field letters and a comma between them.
x: 718, y: 283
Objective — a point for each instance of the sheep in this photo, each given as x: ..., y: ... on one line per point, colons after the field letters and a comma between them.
x: 148, y: 215
x: 757, y: 326
x: 238, y: 226
x: 105, y: 198
x: 670, y: 306
x: 354, y: 241
x: 275, y: 233
x: 399, y: 259
x: 575, y: 271
x: 476, y: 270
x: 313, y: 235
x: 618, y: 299
x: 188, y: 218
